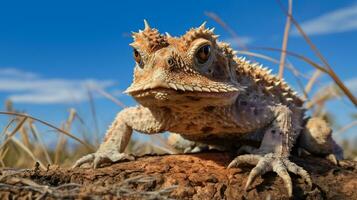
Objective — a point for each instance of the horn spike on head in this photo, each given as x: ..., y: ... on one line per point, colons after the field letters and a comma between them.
x: 167, y: 34
x: 149, y: 38
x: 134, y: 34
x: 203, y: 25
x: 147, y: 26
x: 199, y: 32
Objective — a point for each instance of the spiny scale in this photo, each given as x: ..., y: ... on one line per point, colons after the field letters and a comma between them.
x: 150, y: 38
x: 200, y: 32
x: 272, y: 84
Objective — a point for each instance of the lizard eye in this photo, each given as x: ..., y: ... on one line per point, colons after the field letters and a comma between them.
x: 203, y: 53
x: 137, y: 56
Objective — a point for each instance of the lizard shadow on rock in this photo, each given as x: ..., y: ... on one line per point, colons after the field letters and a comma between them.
x: 267, y: 183
x: 315, y: 165
x: 222, y: 158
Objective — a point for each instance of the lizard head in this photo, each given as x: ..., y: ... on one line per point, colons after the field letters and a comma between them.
x: 192, y: 70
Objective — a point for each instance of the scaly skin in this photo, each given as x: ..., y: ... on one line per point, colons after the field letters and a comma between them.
x: 196, y: 87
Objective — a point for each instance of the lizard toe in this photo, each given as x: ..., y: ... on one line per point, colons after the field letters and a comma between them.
x: 99, y: 158
x: 261, y: 168
x: 110, y: 157
x: 85, y: 159
x: 279, y: 167
x: 296, y: 169
x: 250, y: 159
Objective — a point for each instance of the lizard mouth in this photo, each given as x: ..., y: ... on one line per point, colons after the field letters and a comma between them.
x: 166, y: 91
x: 154, y: 88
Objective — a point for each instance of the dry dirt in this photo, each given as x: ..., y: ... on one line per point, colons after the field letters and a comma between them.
x: 194, y: 176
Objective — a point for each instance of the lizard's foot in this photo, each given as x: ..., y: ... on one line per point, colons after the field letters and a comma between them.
x: 188, y: 146
x: 270, y: 162
x: 103, y: 156
x: 195, y: 149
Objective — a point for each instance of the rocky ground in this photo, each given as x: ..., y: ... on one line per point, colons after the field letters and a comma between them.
x: 194, y: 176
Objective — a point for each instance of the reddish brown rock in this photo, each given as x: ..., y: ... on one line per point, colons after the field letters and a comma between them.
x: 195, y: 176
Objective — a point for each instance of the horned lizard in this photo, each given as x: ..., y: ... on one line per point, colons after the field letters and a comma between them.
x: 196, y: 87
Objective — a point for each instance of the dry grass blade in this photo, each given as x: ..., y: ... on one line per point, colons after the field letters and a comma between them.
x: 295, y: 72
x: 331, y: 72
x: 23, y: 184
x: 307, y: 60
x: 346, y: 127
x: 4, y: 131
x: 24, y: 136
x: 301, y: 57
x: 3, y: 153
x: 13, y: 132
x: 50, y: 125
x: 311, y: 82
x: 285, y: 41
x: 225, y: 26
x: 109, y: 96
x: 28, y: 151
x: 62, y: 140
x: 94, y: 115
x: 59, y: 148
x: 83, y: 127
x: 324, y: 94
x: 72, y: 115
x: 275, y: 61
x: 40, y: 142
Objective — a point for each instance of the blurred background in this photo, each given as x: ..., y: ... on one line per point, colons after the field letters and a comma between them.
x: 67, y: 63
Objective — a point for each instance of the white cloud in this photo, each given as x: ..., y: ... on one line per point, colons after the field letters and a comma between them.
x: 27, y: 87
x: 241, y: 41
x: 340, y: 20
x: 13, y: 72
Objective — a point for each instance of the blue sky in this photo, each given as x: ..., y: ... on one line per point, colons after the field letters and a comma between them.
x: 52, y: 51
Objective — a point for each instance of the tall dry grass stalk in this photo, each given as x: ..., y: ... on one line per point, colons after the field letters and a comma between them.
x: 109, y: 96
x: 39, y: 141
x: 226, y: 27
x: 62, y: 141
x: 312, y: 80
x: 285, y: 41
x: 94, y: 116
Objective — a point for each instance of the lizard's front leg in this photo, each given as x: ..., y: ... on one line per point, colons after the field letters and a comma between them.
x: 274, y: 150
x: 119, y: 133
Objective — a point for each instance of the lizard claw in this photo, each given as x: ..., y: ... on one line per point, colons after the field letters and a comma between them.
x: 85, y: 159
x: 270, y: 162
x: 101, y: 157
x: 195, y: 149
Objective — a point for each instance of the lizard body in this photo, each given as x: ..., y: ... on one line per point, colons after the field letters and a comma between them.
x: 197, y: 87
